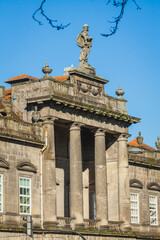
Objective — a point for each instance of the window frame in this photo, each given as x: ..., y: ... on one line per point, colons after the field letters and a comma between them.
x: 20, y: 204
x: 138, y: 209
x: 150, y: 217
x: 1, y: 183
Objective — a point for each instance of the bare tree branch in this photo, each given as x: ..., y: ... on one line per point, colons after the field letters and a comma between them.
x: 50, y: 21
x: 117, y: 19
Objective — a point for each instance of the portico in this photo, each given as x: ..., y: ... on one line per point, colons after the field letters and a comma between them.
x: 77, y: 147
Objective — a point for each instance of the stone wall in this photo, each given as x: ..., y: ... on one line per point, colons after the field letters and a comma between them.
x: 52, y: 236
x: 18, y: 160
x: 146, y: 175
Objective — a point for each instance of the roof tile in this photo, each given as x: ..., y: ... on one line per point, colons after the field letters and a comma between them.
x: 134, y: 143
x: 22, y: 76
x: 61, y: 78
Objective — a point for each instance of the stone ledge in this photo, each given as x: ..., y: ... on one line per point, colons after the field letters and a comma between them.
x: 86, y: 232
x: 84, y: 107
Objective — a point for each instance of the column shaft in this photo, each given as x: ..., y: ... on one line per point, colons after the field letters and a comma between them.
x: 124, y: 191
x: 101, y: 178
x: 76, y: 191
x: 49, y: 176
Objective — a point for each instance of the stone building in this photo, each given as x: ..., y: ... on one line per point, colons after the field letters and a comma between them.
x: 65, y: 161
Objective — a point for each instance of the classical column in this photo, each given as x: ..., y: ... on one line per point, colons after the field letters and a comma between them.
x: 49, y: 175
x: 101, y: 178
x: 76, y: 191
x: 124, y: 191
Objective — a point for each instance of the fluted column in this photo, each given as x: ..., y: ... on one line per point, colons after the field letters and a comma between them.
x: 101, y: 178
x: 76, y: 191
x: 124, y: 191
x: 49, y: 175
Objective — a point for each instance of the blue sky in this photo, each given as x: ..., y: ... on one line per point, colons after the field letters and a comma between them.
x: 129, y: 58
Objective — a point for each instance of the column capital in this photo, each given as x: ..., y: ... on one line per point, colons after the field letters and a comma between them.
x: 76, y: 126
x: 48, y: 119
x: 100, y: 132
x: 123, y: 137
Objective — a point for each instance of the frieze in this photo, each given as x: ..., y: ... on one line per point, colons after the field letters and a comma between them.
x: 89, y: 89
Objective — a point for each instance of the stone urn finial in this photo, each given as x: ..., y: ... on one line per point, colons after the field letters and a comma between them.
x: 140, y: 139
x: 120, y: 92
x: 158, y: 143
x: 46, y: 70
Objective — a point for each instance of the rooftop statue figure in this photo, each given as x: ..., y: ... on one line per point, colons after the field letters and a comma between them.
x: 85, y: 42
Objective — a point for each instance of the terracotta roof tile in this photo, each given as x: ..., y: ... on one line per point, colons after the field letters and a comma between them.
x: 134, y: 143
x: 61, y: 78
x: 22, y: 76
x: 8, y: 93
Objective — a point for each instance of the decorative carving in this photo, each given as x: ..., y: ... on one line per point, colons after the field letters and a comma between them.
x: 96, y: 90
x: 87, y: 88
x: 36, y: 115
x: 27, y: 166
x: 136, y: 183
x: 46, y: 70
x: 83, y: 87
x: 158, y: 143
x: 120, y: 92
x: 4, y: 164
x: 140, y: 139
x: 153, y: 186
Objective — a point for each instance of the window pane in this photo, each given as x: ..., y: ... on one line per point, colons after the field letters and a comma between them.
x: 25, y: 191
x: 24, y: 197
x: 28, y: 200
x: 153, y: 210
x: 134, y: 198
x: 21, y: 190
x: 28, y: 209
x: 28, y: 191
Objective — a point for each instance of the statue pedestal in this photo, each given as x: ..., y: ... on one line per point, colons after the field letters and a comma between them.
x: 85, y: 67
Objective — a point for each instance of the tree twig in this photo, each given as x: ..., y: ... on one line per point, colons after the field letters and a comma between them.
x: 117, y: 19
x: 50, y: 21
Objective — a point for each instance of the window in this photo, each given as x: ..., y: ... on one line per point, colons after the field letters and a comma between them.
x: 1, y: 192
x: 134, y: 208
x: 25, y: 195
x: 153, y: 210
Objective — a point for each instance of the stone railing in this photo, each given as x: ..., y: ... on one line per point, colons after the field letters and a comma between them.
x: 46, y: 89
x: 115, y: 104
x: 16, y: 129
x: 91, y: 223
x: 143, y: 160
x: 113, y: 225
x: 65, y: 222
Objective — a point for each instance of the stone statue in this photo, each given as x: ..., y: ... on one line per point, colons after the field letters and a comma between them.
x: 85, y: 42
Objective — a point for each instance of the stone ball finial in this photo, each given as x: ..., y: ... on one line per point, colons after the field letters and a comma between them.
x: 140, y: 139
x: 119, y: 92
x: 46, y: 70
x: 158, y: 143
